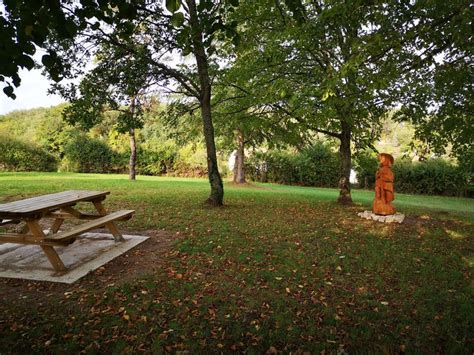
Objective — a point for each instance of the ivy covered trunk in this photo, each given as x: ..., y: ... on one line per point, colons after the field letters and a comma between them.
x: 216, y: 197
x: 239, y: 167
x: 345, y: 167
x: 133, y: 155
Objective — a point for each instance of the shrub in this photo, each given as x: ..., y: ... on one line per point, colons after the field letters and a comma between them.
x: 191, y: 161
x: 19, y: 156
x: 314, y: 166
x: 317, y: 166
x: 272, y: 166
x: 155, y: 162
x: 88, y: 155
x: 365, y: 166
x: 432, y: 177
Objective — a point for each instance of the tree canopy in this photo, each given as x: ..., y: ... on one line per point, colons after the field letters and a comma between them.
x: 291, y: 67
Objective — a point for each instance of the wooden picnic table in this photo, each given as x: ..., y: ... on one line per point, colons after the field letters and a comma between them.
x: 58, y: 207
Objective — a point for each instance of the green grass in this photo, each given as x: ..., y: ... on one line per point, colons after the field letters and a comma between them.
x: 277, y: 266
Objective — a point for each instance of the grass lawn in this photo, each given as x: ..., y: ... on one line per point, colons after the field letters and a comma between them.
x: 278, y: 268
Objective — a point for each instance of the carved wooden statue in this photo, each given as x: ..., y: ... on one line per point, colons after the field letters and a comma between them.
x: 384, y: 193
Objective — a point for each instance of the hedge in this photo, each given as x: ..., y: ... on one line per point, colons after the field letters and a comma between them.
x: 83, y: 154
x: 313, y: 166
x: 431, y: 177
x: 20, y: 156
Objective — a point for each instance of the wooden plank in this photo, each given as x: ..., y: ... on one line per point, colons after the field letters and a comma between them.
x: 54, y: 258
x: 112, y: 227
x: 61, y: 197
x: 66, y: 215
x: 100, y: 222
x: 47, y: 203
x: 71, y: 211
x: 56, y: 225
x: 51, y: 254
x: 30, y: 239
x: 72, y: 195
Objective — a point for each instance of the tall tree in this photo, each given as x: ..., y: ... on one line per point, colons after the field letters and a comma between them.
x: 241, y: 123
x: 335, y: 67
x: 184, y: 27
x: 436, y: 89
x: 318, y: 70
x: 120, y: 81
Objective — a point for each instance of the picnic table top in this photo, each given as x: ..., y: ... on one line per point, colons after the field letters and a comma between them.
x: 45, y: 203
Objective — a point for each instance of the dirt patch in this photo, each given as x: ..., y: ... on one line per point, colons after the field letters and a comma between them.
x: 144, y: 259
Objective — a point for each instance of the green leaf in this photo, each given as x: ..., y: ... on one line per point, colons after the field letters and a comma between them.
x: 173, y: 5
x: 71, y: 28
x: 177, y: 19
x: 328, y: 93
x: 28, y: 30
x: 9, y: 92
x: 183, y: 36
x: 26, y: 62
x: 47, y: 60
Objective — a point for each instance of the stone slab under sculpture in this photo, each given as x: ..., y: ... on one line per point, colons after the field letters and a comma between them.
x: 384, y: 193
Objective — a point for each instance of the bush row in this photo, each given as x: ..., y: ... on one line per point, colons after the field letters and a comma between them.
x: 19, y: 156
x: 313, y: 166
x: 432, y: 177
x: 317, y: 165
x: 84, y: 154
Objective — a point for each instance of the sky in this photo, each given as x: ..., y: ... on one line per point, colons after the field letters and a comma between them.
x: 33, y: 92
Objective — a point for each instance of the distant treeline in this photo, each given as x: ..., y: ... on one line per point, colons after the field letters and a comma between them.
x: 317, y: 166
x: 39, y: 140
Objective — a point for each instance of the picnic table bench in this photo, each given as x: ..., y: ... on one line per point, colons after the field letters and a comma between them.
x: 58, y: 207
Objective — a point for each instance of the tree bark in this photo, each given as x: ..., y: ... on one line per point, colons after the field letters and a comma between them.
x: 345, y: 167
x: 216, y: 197
x: 133, y: 155
x: 239, y: 167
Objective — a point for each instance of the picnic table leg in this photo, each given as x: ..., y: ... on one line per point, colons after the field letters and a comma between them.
x: 56, y: 225
x: 110, y: 225
x: 51, y: 254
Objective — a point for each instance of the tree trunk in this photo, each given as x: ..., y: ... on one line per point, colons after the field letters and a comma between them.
x: 133, y: 155
x: 345, y: 168
x: 216, y: 197
x: 239, y: 168
x: 217, y: 189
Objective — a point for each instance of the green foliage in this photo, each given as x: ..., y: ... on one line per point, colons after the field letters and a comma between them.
x: 33, y: 124
x: 431, y: 177
x: 313, y: 166
x: 163, y: 147
x: 191, y: 161
x: 90, y: 155
x: 272, y: 166
x: 438, y: 95
x: 317, y: 165
x: 365, y: 166
x: 157, y: 161
x: 51, y: 25
x: 19, y: 156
